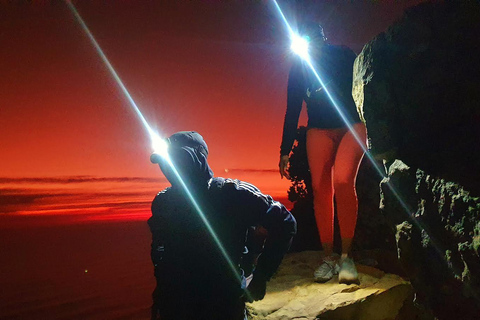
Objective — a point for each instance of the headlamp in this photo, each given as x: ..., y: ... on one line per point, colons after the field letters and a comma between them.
x: 300, y: 46
x: 160, y: 148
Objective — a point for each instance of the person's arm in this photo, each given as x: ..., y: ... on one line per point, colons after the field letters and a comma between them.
x: 295, y: 93
x: 280, y: 224
x: 281, y: 227
x: 348, y: 59
x: 157, y: 227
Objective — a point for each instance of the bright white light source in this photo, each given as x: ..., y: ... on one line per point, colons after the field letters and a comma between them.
x: 159, y: 145
x: 300, y: 46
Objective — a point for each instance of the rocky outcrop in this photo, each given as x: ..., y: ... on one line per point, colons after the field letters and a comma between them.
x: 417, y: 88
x: 372, y: 231
x: 292, y: 294
x: 438, y: 239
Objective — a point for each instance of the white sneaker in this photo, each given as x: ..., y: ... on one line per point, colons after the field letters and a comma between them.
x: 348, y: 272
x: 326, y: 270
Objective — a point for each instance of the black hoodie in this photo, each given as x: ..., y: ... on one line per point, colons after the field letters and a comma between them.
x: 185, y: 254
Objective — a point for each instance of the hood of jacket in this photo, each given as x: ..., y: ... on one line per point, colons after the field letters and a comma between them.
x: 188, y: 154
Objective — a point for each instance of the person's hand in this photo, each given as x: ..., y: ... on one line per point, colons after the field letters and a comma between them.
x: 282, y: 166
x: 256, y: 289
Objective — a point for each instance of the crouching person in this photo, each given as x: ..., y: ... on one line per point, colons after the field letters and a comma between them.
x: 199, y: 231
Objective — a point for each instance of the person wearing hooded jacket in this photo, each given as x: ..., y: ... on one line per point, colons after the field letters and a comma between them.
x: 196, y: 277
x: 334, y: 153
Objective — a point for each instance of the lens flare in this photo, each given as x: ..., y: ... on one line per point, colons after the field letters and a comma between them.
x: 300, y: 47
x: 306, y: 58
x: 159, y: 145
x: 300, y: 50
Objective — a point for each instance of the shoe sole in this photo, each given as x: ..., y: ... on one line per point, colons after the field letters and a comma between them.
x: 348, y: 280
x: 322, y: 280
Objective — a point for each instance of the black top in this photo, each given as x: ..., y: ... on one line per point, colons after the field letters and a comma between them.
x: 335, y: 68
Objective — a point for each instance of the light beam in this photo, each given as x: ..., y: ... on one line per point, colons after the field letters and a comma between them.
x: 300, y: 47
x: 160, y: 146
x: 153, y: 135
x: 300, y: 50
x: 303, y: 53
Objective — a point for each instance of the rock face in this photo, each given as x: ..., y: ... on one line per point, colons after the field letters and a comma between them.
x: 292, y: 294
x: 417, y: 88
x: 372, y: 230
x: 438, y: 239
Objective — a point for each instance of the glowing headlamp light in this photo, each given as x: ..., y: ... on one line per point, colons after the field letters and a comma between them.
x: 160, y: 148
x: 300, y: 46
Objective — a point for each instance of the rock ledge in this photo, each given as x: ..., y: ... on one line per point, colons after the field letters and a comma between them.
x: 292, y: 293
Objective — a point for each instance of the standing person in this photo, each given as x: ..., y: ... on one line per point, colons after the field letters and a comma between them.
x: 333, y: 152
x: 197, y: 278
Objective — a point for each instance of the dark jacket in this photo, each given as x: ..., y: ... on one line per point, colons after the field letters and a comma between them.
x: 199, y: 238
x: 335, y: 68
x: 183, y: 246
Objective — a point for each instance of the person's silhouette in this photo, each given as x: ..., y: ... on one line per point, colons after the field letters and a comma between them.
x: 333, y: 152
x: 195, y: 279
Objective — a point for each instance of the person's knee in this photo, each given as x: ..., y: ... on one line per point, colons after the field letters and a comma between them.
x: 316, y: 187
x: 322, y: 180
x: 344, y: 185
x: 322, y: 191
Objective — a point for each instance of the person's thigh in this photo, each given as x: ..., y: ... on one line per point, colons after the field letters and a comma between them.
x: 349, y: 154
x: 321, y: 147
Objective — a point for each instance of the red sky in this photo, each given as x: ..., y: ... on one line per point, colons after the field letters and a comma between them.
x: 70, y: 142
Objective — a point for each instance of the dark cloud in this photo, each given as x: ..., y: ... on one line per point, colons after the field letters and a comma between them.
x: 145, y: 204
x: 11, y: 200
x: 237, y: 170
x: 50, y: 194
x: 17, y: 199
x: 77, y: 179
x: 31, y: 200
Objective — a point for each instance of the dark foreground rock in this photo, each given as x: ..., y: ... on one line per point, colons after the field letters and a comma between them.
x: 417, y: 88
x: 438, y: 239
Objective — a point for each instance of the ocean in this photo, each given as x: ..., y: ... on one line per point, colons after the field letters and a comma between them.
x: 59, y: 268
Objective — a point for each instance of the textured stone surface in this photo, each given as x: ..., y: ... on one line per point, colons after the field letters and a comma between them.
x: 292, y: 294
x: 372, y: 230
x: 438, y: 236
x: 417, y: 88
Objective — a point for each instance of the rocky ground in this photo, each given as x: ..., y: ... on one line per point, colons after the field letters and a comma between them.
x: 292, y: 294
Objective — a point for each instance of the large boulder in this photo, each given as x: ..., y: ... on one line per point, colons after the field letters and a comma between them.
x: 417, y: 89
x: 372, y: 231
x: 292, y: 294
x: 438, y: 239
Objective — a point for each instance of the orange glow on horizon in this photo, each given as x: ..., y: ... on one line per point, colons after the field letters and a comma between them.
x: 63, y: 115
x: 95, y: 199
